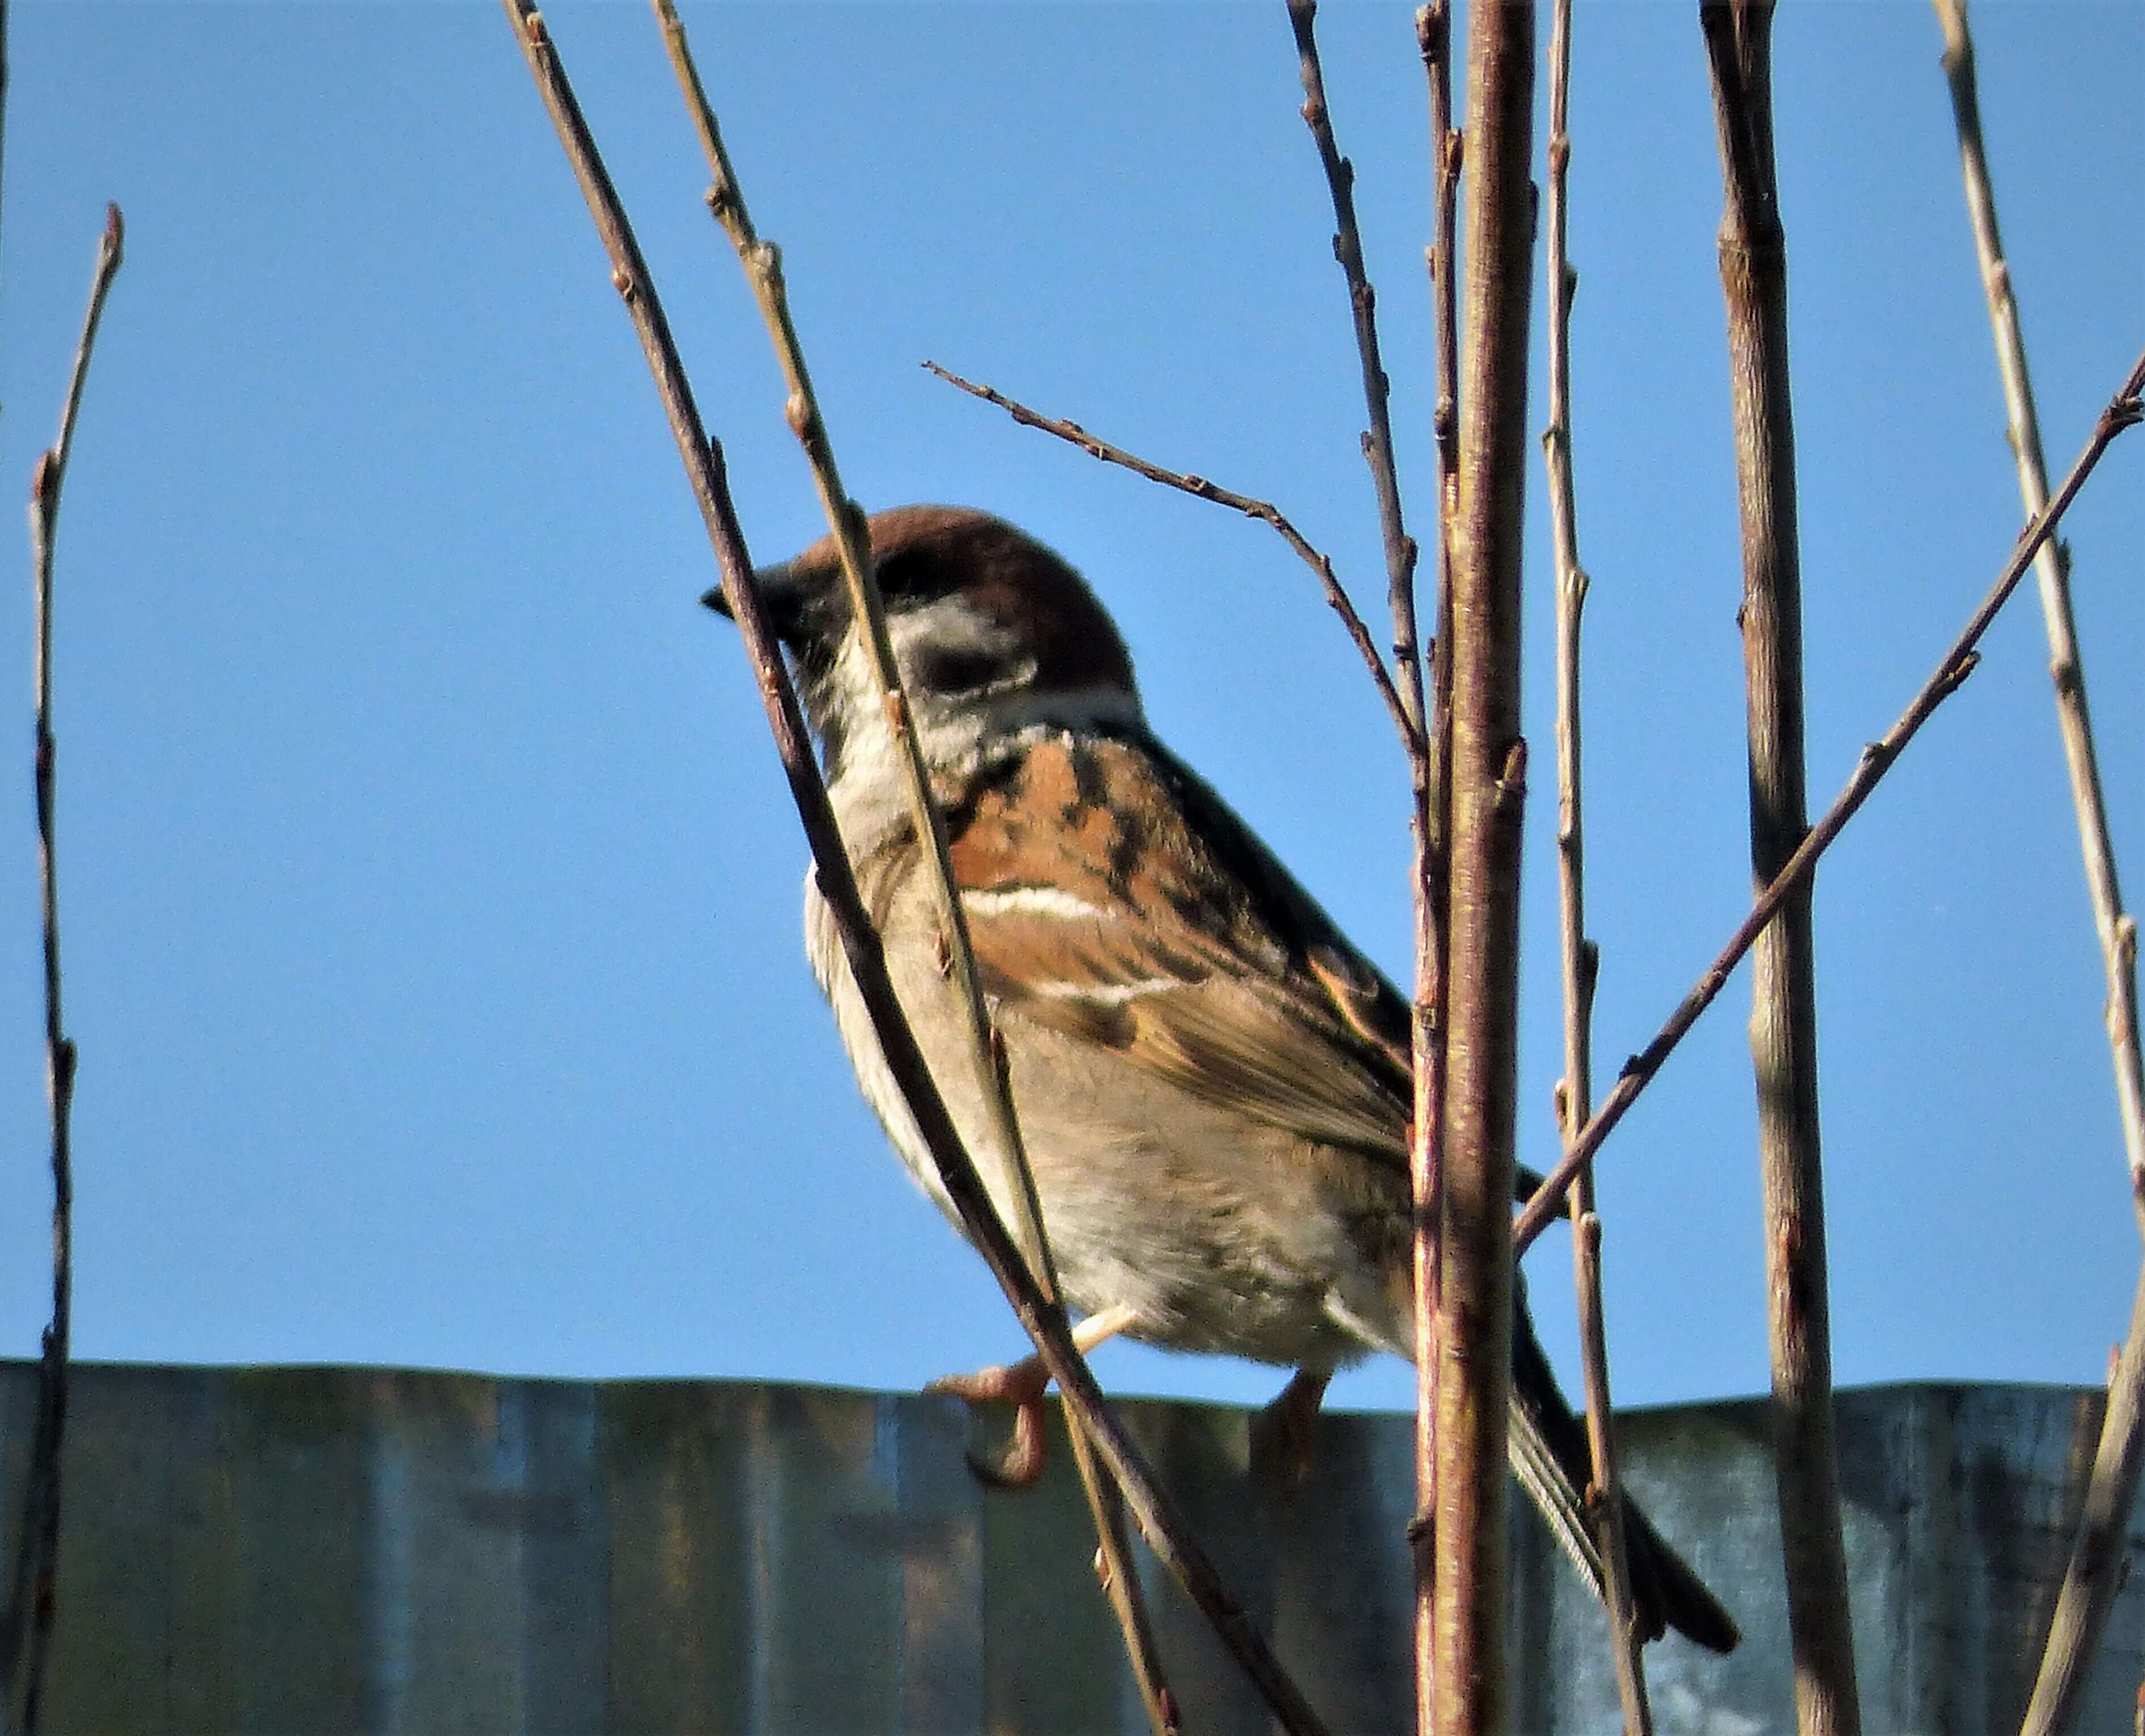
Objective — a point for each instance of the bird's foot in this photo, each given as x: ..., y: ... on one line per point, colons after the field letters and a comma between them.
x: 1021, y: 1385
x: 1285, y: 1434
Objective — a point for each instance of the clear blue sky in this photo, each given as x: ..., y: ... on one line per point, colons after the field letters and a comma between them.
x: 430, y: 890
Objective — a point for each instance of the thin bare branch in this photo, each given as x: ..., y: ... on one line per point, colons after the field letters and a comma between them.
x: 2124, y: 411
x: 1362, y: 302
x: 1157, y: 1517
x: 1433, y: 885
x: 2094, y: 1572
x: 1575, y: 1093
x: 763, y: 269
x: 2090, y: 1582
x: 1200, y: 489
x: 1429, y: 752
x: 2118, y: 932
x: 1488, y: 792
x: 25, y: 1626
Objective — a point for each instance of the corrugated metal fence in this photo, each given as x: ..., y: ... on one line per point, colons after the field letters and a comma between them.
x: 330, y: 1550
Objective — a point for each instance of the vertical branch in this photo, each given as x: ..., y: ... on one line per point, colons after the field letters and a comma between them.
x: 2095, y: 1570
x: 1362, y: 302
x: 1158, y: 1518
x: 1426, y: 826
x: 1580, y: 958
x: 33, y: 1591
x: 2118, y: 932
x: 1783, y: 1016
x: 763, y: 268
x: 2091, y: 1577
x: 1433, y: 27
x: 1488, y: 790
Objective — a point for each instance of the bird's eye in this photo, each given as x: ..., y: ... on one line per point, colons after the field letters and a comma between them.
x: 900, y: 574
x: 956, y: 670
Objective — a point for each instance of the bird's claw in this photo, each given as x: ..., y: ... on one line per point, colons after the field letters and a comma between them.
x: 1022, y: 1384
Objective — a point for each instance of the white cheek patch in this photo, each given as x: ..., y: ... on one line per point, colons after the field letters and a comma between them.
x: 950, y: 624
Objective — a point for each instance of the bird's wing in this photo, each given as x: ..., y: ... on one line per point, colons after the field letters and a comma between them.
x: 1112, y: 895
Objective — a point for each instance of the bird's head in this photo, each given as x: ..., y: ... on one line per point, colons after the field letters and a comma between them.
x: 993, y: 633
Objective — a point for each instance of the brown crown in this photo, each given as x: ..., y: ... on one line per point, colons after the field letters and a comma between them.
x: 923, y: 553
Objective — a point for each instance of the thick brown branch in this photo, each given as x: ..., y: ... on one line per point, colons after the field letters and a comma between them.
x: 1044, y: 1321
x: 1489, y: 773
x: 1784, y: 973
x: 26, y: 1623
x: 1957, y: 663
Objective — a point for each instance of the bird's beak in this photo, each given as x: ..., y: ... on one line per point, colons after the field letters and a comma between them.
x: 780, y: 594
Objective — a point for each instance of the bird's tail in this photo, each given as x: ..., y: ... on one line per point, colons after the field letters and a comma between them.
x: 1551, y: 1458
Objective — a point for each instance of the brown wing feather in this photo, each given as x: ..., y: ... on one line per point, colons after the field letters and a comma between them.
x: 1114, y: 895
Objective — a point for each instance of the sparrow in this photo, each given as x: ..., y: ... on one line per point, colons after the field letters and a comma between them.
x: 1213, y: 1084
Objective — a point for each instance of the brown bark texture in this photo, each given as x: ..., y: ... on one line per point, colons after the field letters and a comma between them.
x: 1783, y: 1003
x: 1488, y: 790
